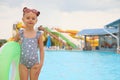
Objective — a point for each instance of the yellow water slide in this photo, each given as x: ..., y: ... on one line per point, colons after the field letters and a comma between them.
x: 92, y: 41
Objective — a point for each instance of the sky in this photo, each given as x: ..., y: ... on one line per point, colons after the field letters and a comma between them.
x: 63, y: 14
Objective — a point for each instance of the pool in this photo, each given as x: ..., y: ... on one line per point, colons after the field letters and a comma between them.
x: 80, y: 65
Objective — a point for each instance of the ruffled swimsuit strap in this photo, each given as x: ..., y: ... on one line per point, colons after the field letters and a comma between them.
x: 38, y: 34
x: 21, y: 33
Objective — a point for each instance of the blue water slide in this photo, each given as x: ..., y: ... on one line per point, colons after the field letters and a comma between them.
x: 48, y: 44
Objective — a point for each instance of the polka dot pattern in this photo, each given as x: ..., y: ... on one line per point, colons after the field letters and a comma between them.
x: 29, y: 54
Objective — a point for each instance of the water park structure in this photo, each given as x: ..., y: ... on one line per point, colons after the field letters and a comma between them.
x: 87, y: 39
x: 108, y: 37
x: 59, y: 37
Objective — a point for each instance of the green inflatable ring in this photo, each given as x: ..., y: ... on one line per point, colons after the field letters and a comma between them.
x: 9, y: 52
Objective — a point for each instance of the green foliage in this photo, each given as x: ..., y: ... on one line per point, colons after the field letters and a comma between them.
x: 2, y: 41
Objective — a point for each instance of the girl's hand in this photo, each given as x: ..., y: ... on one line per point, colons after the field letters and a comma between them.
x: 37, y: 68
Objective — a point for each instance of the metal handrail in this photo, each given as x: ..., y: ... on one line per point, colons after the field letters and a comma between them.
x: 114, y: 37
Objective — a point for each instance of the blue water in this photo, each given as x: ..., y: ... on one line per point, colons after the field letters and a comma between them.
x: 79, y: 65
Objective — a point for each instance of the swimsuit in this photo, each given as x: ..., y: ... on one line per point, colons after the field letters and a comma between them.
x: 29, y: 54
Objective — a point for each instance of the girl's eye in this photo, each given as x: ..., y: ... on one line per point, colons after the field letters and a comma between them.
x: 33, y: 18
x: 28, y: 17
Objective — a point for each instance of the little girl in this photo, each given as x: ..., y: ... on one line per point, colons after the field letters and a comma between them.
x: 31, y: 40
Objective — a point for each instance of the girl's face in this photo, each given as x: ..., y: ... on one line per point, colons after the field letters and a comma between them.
x: 29, y: 19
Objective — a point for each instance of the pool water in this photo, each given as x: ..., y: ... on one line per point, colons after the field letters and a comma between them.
x: 80, y: 65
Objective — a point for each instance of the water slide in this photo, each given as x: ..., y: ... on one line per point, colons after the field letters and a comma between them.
x: 48, y: 31
x: 71, y: 34
x: 73, y: 40
x: 48, y: 44
x: 61, y: 36
x: 66, y: 39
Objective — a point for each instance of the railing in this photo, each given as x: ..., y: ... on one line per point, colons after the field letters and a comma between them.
x: 114, y: 37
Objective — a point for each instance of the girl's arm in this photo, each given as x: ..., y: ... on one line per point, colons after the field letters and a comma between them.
x: 41, y: 46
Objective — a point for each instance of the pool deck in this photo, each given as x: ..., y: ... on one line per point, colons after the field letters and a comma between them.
x: 102, y: 49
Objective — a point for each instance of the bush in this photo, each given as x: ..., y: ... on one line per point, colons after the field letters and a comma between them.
x: 2, y: 41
